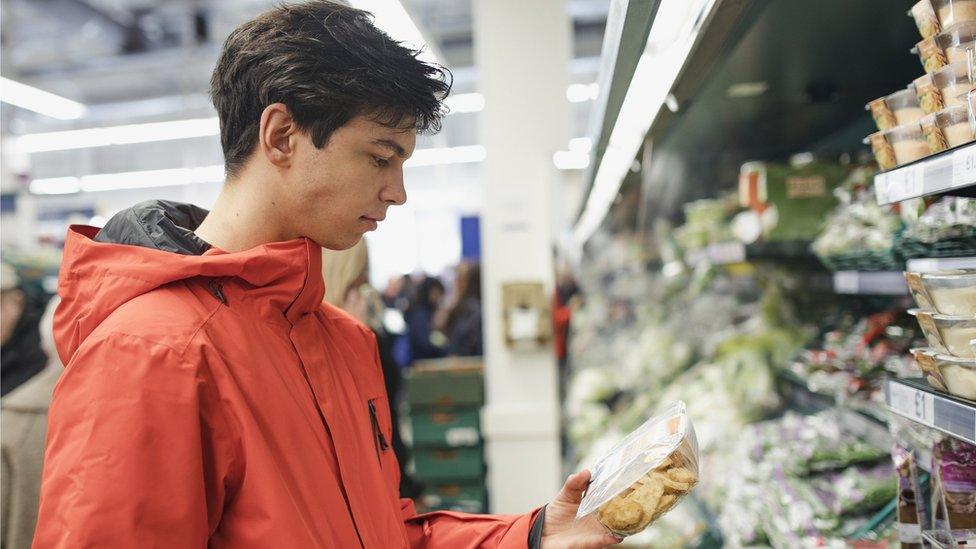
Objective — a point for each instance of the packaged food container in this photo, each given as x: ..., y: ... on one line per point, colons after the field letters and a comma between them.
x: 925, y: 18
x: 884, y: 154
x: 946, y: 373
x: 931, y: 54
x: 948, y: 334
x: 929, y: 96
x: 954, y: 123
x: 950, y: 539
x: 971, y: 101
x: 954, y: 83
x: 934, y: 137
x: 953, y: 12
x: 955, y: 42
x: 949, y: 293
x: 645, y: 475
x: 884, y: 119
x: 904, y: 104
x: 908, y: 143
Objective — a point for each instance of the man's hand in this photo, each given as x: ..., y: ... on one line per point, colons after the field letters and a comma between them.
x: 563, y: 531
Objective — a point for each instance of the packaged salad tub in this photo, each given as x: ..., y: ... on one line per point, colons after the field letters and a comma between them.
x: 645, y: 475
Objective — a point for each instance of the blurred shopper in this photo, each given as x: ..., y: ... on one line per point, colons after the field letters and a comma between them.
x: 425, y: 342
x: 21, y: 356
x: 211, y: 397
x: 346, y: 275
x: 462, y: 324
x: 23, y: 414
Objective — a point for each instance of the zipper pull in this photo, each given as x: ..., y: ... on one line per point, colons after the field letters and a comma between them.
x: 374, y: 419
x: 217, y: 290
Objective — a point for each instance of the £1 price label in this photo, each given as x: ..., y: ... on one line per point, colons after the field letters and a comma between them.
x: 964, y: 167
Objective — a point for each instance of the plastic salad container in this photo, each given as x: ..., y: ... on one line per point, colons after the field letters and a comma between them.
x: 908, y: 143
x: 954, y: 83
x: 957, y: 40
x: 948, y: 292
x: 925, y: 18
x: 884, y: 154
x: 904, y: 104
x: 952, y: 12
x: 929, y: 96
x: 931, y: 53
x: 946, y: 334
x: 645, y: 475
x: 954, y: 123
x: 934, y: 137
x: 953, y: 375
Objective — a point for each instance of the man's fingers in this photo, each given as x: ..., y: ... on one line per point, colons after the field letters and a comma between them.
x: 572, y: 491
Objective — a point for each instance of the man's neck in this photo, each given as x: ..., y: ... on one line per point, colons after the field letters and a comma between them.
x: 242, y: 218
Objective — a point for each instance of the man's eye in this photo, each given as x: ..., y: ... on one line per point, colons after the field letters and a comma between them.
x: 381, y: 162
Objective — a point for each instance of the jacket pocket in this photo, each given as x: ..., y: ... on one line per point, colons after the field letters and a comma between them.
x: 379, y: 440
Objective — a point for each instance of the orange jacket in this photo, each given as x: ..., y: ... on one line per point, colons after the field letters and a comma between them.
x: 215, y: 400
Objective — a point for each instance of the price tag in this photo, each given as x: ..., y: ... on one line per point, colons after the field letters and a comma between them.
x: 905, y: 183
x: 964, y: 167
x: 912, y: 403
x: 846, y: 282
x: 881, y: 188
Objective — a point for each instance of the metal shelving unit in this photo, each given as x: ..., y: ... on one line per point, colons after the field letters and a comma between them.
x: 915, y: 400
x: 948, y: 171
x: 870, y: 283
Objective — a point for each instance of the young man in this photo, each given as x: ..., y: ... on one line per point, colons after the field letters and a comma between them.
x: 210, y: 396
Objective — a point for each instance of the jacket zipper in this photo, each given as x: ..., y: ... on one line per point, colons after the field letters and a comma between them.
x: 378, y: 439
x: 217, y: 290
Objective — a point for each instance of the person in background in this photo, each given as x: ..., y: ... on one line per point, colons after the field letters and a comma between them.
x: 420, y: 320
x: 462, y: 323
x: 21, y: 356
x: 23, y: 414
x: 346, y: 275
x: 399, y: 292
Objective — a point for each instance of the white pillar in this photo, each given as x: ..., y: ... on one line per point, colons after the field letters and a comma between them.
x: 522, y: 52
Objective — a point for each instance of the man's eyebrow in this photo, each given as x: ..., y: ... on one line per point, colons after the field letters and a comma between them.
x: 392, y: 145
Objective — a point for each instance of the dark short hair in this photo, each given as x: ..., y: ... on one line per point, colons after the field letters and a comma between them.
x: 327, y: 63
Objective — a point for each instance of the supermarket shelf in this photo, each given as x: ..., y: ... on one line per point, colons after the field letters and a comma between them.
x: 941, y: 264
x: 805, y: 400
x: 870, y: 283
x: 915, y: 400
x: 951, y: 170
x: 726, y: 253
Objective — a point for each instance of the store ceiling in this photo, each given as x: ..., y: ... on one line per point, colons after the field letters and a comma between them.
x: 819, y: 63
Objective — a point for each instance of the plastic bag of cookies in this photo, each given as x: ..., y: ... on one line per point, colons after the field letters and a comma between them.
x: 645, y: 475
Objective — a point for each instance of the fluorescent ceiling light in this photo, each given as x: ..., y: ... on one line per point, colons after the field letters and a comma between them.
x: 747, y: 89
x: 392, y: 18
x: 465, y: 102
x: 578, y: 93
x: 571, y: 160
x: 672, y: 35
x: 447, y: 155
x: 117, y: 135
x: 39, y: 101
x: 215, y: 174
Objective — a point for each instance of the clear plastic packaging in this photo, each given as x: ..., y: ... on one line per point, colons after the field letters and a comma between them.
x: 953, y: 12
x: 884, y: 154
x: 950, y: 539
x: 946, y: 334
x: 954, y: 123
x: 908, y: 143
x: 931, y: 53
x: 954, y: 82
x: 904, y: 104
x: 645, y: 475
x: 934, y: 137
x: 957, y: 40
x: 925, y: 18
x: 953, y: 375
x: 948, y: 293
x: 929, y: 96
x: 884, y: 119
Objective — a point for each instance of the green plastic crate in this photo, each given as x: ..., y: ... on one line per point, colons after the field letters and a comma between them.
x: 446, y: 427
x: 468, y: 497
x: 446, y: 382
x: 448, y: 464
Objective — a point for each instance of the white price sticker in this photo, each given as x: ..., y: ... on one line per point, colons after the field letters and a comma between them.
x: 905, y: 183
x: 846, y: 282
x: 912, y: 403
x: 881, y: 188
x: 964, y: 167
x: 727, y: 252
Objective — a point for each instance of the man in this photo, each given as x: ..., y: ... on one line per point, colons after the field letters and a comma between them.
x: 21, y: 356
x: 210, y: 396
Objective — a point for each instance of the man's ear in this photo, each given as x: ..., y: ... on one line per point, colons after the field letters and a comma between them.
x: 275, y: 134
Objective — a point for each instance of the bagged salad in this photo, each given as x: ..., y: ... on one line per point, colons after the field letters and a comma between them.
x: 645, y: 475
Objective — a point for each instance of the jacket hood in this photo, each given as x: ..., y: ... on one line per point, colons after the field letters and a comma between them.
x: 152, y: 245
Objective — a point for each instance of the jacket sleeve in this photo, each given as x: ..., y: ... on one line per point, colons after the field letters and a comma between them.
x: 447, y: 529
x: 138, y: 452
